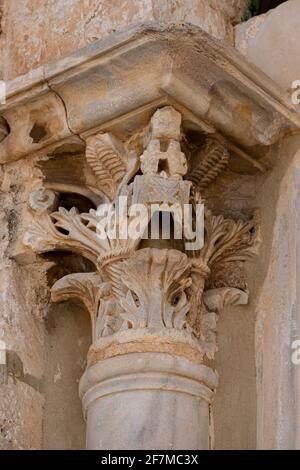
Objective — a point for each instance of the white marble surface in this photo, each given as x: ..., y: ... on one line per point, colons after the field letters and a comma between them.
x: 147, y: 401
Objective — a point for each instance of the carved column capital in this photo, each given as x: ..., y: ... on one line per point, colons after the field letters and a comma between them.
x: 147, y: 297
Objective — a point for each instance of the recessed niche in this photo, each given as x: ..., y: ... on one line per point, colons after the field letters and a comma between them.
x: 4, y: 128
x: 38, y: 133
x: 64, y: 263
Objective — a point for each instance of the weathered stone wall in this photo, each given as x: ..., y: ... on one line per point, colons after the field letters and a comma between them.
x: 271, y: 42
x: 22, y: 309
x: 67, y: 341
x: 235, y: 426
x: 277, y: 303
x: 45, y: 348
x: 35, y: 32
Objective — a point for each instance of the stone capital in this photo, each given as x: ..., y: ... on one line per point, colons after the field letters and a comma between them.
x: 148, y: 299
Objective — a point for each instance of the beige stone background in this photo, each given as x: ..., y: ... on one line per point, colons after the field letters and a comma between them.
x: 271, y: 42
x: 34, y: 32
x: 257, y: 399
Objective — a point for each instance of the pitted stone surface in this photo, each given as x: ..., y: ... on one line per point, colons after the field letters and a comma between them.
x: 36, y: 32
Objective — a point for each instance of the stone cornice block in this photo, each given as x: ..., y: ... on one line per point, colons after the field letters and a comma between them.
x: 116, y: 83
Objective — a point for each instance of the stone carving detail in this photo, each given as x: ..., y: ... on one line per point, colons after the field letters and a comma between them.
x: 95, y: 294
x: 212, y: 159
x: 42, y: 199
x: 151, y: 288
x: 134, y: 288
x: 70, y: 230
x: 110, y: 162
x: 124, y: 300
x: 216, y: 299
x: 169, y: 162
x: 66, y: 230
x: 156, y: 190
x: 227, y: 240
x: 166, y: 124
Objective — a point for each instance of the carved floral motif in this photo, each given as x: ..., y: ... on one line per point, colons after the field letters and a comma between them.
x: 148, y: 288
x: 212, y: 159
x: 70, y: 230
x: 151, y: 288
x: 111, y: 163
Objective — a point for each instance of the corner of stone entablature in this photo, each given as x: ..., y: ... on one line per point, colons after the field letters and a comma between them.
x: 115, y: 85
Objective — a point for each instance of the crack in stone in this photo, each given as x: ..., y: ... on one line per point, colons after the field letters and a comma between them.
x: 65, y: 108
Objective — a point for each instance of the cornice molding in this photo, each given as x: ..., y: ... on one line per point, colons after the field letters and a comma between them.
x: 116, y: 83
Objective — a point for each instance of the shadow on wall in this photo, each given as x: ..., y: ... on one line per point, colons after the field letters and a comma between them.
x: 266, y: 5
x: 68, y: 338
x: 258, y: 7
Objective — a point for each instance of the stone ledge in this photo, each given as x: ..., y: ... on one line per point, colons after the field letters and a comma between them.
x: 115, y: 84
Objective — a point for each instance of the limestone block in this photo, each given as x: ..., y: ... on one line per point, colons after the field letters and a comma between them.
x: 37, y: 32
x: 21, y: 409
x: 277, y: 308
x: 36, y: 125
x: 119, y: 81
x: 271, y: 42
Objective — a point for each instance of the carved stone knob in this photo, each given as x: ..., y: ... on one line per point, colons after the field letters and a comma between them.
x: 42, y: 199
